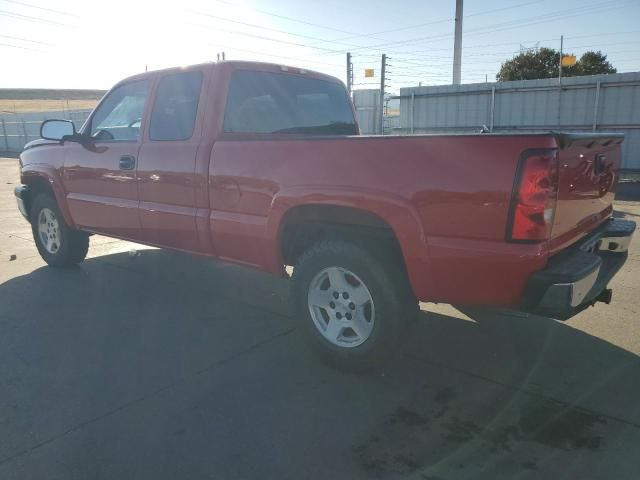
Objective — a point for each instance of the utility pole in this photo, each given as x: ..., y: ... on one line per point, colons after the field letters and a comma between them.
x: 560, y: 66
x: 382, y: 79
x: 457, y: 45
x: 349, y: 73
x: 560, y: 81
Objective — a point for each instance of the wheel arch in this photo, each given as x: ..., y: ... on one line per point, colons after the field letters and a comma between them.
x: 40, y: 181
x: 389, y: 216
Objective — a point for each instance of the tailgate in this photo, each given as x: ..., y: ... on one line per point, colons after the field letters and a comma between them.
x: 588, y: 165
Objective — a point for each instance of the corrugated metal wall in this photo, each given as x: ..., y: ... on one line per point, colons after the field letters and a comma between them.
x: 367, y: 105
x: 592, y: 103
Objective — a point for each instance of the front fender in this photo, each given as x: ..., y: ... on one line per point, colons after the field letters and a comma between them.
x: 35, y: 174
x: 396, y: 211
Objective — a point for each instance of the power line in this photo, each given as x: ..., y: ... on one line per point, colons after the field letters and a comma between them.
x: 51, y: 10
x: 586, y: 10
x: 235, y: 32
x: 323, y: 26
x: 487, y: 12
x: 234, y: 48
x: 30, y: 18
x: 559, y: 15
x: 284, y: 17
x: 260, y: 37
x: 20, y: 47
x: 538, y: 40
x: 351, y: 35
x: 422, y: 61
x: 428, y: 58
x: 25, y: 40
x: 434, y: 22
x: 39, y: 19
x: 253, y: 25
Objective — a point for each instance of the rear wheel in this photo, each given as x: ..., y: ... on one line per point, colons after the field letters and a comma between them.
x: 351, y: 303
x: 58, y: 244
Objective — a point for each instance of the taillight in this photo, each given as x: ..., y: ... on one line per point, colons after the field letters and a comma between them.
x: 534, y: 200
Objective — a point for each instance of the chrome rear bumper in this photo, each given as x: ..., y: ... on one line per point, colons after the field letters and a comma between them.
x: 578, y: 276
x: 572, y: 293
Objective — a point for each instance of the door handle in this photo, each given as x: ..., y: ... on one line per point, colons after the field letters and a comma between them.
x: 127, y: 162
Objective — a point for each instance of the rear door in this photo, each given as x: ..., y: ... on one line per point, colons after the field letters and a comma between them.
x: 264, y: 111
x: 167, y: 162
x: 588, y: 165
x: 100, y: 177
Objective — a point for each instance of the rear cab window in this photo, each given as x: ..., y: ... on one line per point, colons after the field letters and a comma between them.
x: 176, y: 104
x: 280, y: 103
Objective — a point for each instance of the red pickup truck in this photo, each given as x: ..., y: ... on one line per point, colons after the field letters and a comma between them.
x: 262, y: 165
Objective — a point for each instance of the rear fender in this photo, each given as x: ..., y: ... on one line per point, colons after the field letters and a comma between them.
x: 394, y: 210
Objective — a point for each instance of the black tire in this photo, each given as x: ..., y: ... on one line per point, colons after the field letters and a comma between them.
x: 391, y: 295
x: 72, y: 245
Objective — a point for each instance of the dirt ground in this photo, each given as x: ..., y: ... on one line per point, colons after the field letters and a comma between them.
x: 44, y: 105
x: 22, y: 100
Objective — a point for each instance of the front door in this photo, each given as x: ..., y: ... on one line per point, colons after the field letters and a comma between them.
x: 100, y: 177
x: 167, y: 163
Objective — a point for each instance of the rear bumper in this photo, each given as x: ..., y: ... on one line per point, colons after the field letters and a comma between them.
x: 578, y: 276
x: 20, y: 193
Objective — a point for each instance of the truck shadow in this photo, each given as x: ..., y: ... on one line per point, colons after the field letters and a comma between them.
x: 489, y: 395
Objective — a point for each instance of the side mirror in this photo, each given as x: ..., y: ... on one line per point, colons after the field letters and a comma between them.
x: 57, y: 129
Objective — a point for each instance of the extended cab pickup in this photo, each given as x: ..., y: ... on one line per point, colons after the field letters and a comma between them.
x: 262, y: 165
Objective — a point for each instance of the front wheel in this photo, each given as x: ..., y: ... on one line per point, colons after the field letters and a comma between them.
x: 351, y: 303
x: 58, y: 244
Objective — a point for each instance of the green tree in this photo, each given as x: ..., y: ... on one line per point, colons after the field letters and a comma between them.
x: 594, y: 63
x: 544, y: 63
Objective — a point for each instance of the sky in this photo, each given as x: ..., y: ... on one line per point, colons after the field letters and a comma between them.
x: 80, y: 44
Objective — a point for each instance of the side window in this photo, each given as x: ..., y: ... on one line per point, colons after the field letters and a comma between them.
x: 176, y: 105
x: 119, y: 117
x: 265, y: 102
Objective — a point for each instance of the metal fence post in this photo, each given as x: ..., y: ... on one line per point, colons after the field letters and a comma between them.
x: 413, y: 106
x: 559, y: 104
x: 4, y: 134
x: 382, y: 80
x: 493, y: 108
x: 595, y: 107
x: 24, y: 130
